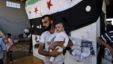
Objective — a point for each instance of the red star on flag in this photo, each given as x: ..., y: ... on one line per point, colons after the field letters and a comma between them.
x: 36, y: 10
x: 49, y: 4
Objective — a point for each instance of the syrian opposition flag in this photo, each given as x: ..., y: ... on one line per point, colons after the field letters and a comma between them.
x: 74, y: 13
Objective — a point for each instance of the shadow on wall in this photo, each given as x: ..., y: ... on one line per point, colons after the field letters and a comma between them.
x: 15, y: 28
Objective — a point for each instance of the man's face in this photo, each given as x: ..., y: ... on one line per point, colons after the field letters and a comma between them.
x: 46, y: 23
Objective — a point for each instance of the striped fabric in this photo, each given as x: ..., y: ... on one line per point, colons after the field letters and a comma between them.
x: 108, y: 37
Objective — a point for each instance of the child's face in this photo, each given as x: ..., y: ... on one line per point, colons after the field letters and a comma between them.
x: 59, y: 27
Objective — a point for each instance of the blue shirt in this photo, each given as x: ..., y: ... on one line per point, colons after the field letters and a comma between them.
x: 2, y: 47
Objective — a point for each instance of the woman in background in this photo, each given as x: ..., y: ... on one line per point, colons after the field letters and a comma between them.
x: 8, y: 41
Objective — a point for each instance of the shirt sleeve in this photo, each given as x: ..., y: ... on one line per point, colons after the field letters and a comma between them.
x: 3, y: 45
x: 42, y: 38
x: 51, y: 38
x: 66, y: 39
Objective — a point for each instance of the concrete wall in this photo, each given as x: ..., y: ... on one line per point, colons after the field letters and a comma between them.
x: 12, y: 20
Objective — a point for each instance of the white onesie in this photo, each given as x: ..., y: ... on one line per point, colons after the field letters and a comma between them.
x: 59, y: 36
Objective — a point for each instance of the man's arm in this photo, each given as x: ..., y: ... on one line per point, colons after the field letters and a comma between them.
x: 41, y: 45
x: 54, y: 53
x: 42, y: 51
x: 60, y: 43
x: 101, y: 42
x: 47, y: 53
x: 56, y: 43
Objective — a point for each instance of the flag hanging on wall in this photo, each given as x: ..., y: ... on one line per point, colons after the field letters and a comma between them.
x: 73, y: 13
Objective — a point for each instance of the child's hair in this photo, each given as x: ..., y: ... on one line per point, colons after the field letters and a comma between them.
x: 60, y: 23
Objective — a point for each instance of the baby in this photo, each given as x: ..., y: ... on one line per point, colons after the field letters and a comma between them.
x: 59, y: 35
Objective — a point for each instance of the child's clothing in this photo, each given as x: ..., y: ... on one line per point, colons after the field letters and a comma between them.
x: 59, y: 36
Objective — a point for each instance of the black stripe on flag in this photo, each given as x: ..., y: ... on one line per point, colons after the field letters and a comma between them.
x: 77, y: 16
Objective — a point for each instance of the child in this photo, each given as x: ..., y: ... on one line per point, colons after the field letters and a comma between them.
x: 59, y: 35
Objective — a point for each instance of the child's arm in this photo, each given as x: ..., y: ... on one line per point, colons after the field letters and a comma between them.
x: 66, y: 40
x: 55, y: 53
x: 55, y: 44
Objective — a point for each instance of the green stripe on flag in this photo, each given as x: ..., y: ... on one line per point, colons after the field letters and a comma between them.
x: 30, y: 2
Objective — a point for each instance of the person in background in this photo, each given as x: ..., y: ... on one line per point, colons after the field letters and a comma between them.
x: 2, y: 50
x: 2, y: 34
x: 27, y: 33
x: 8, y: 41
x: 107, y: 39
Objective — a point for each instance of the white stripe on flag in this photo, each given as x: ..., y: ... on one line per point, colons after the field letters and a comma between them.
x: 44, y: 7
x: 57, y: 6
x: 31, y: 9
x: 61, y: 5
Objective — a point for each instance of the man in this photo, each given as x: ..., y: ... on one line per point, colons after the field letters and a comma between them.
x: 107, y: 42
x: 48, y: 25
x: 2, y: 50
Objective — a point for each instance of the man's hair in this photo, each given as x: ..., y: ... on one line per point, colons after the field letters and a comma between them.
x: 49, y: 16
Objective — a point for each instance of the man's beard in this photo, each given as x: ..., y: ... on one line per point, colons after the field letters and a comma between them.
x: 48, y: 28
